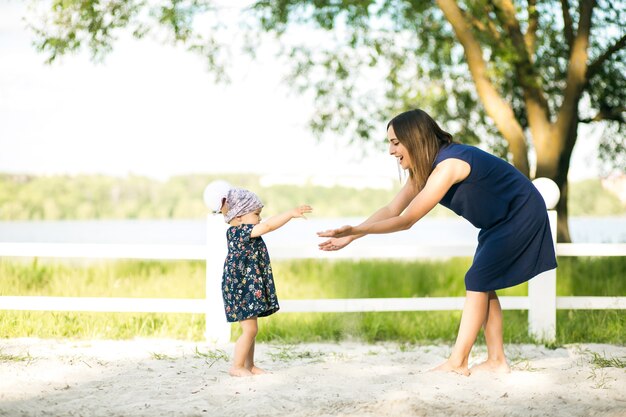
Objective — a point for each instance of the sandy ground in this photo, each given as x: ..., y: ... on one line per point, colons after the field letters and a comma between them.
x: 172, y: 378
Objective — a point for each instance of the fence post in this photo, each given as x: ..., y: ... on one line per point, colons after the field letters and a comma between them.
x: 217, y: 328
x: 542, y: 298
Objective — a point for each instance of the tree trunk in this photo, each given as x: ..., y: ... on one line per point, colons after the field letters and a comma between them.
x: 562, y: 224
x: 498, y: 109
x: 565, y: 157
x: 560, y: 179
x: 554, y: 164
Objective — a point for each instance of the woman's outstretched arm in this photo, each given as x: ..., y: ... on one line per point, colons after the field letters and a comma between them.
x: 394, y: 208
x: 445, y: 174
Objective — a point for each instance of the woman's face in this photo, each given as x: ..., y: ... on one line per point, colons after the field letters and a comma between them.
x: 398, y: 150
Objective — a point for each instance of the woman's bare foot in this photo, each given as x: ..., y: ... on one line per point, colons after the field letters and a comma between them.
x: 500, y: 367
x: 447, y: 366
x: 258, y: 371
x: 239, y: 372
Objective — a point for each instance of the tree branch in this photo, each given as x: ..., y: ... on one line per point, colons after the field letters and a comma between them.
x: 498, y: 109
x: 595, y: 66
x: 537, y: 107
x: 614, y: 114
x: 568, y: 28
x: 489, y: 28
x: 533, y: 24
x: 576, y: 78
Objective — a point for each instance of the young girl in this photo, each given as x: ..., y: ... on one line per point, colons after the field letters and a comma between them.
x: 247, y: 283
x: 514, y: 243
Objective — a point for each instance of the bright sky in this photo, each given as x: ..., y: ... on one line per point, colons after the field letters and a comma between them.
x: 153, y: 110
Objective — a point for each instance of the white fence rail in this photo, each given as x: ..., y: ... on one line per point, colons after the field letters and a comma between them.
x: 541, y: 302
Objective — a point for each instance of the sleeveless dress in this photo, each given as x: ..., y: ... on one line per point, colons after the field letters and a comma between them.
x: 247, y: 284
x: 515, y: 241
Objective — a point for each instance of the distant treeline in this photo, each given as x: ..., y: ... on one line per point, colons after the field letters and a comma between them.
x: 26, y: 197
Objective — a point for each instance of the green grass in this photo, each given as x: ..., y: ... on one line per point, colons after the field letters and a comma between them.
x: 5, y: 357
x: 600, y: 361
x: 212, y: 356
x: 299, y: 279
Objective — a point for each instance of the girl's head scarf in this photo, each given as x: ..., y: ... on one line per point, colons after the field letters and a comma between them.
x: 241, y: 202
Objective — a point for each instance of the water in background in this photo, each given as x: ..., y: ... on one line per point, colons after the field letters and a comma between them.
x: 298, y: 231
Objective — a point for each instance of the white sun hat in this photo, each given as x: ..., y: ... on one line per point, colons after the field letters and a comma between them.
x: 215, y: 193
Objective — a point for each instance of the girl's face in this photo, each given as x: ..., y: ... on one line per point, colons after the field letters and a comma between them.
x: 253, y: 217
x: 398, y: 150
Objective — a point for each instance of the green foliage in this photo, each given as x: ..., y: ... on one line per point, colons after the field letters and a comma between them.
x: 62, y: 27
x: 411, y: 327
x: 5, y: 357
x: 588, y: 198
x: 212, y: 356
x: 300, y: 279
x: 601, y: 361
x: 612, y: 148
x: 595, y: 326
x: 369, y: 279
x: 32, y: 278
x: 122, y: 278
x: 408, y: 50
x: 100, y: 197
x: 587, y: 276
x: 468, y: 62
x: 100, y: 325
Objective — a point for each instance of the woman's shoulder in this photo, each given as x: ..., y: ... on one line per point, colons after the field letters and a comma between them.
x: 453, y: 150
x: 459, y: 147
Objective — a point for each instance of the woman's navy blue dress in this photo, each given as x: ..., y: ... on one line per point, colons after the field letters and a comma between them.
x: 247, y: 284
x: 515, y: 241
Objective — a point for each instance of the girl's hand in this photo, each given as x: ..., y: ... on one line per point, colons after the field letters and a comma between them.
x: 343, y: 231
x: 300, y: 210
x: 335, y: 244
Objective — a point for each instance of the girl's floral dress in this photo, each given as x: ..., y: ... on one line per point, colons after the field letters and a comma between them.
x: 247, y: 284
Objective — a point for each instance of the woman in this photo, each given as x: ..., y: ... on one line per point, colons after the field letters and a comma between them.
x: 514, y: 243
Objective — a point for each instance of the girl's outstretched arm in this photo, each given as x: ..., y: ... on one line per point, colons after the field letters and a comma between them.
x: 279, y: 220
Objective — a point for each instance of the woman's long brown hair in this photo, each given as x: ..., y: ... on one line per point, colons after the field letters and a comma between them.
x: 422, y: 137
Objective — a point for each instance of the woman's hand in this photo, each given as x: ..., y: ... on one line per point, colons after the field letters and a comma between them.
x: 335, y: 243
x: 343, y: 231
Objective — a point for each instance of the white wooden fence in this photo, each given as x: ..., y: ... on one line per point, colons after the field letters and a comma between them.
x: 541, y: 301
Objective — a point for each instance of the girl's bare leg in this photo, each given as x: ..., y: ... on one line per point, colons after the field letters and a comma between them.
x: 496, y: 360
x: 242, y: 347
x: 473, y: 317
x: 250, y: 362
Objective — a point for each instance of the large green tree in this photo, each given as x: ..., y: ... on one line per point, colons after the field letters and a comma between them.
x: 519, y: 75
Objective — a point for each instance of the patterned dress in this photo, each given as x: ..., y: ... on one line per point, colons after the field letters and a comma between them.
x: 247, y: 284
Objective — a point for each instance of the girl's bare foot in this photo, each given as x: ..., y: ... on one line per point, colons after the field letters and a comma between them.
x: 258, y: 371
x: 239, y: 372
x: 447, y: 366
x: 492, y: 366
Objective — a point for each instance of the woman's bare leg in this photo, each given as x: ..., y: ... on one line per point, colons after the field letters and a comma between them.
x: 472, y: 319
x: 242, y: 347
x: 496, y: 360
